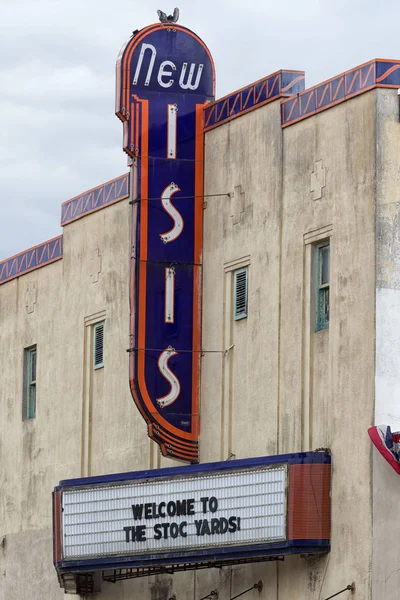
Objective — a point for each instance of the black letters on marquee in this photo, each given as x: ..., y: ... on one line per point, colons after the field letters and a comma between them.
x: 166, y: 530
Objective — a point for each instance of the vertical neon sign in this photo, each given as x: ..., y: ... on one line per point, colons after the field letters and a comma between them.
x: 165, y: 76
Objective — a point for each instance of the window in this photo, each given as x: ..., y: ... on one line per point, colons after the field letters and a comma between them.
x: 322, y: 285
x: 98, y: 345
x: 29, y: 403
x: 240, y: 292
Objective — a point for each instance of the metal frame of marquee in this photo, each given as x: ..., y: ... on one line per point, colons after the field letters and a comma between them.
x: 88, y: 583
x: 123, y: 574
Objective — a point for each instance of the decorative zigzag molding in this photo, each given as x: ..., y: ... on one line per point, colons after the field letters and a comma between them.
x: 31, y: 259
x: 95, y: 199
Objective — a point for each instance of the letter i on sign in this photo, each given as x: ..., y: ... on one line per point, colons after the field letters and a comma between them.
x: 171, y: 130
x: 169, y: 295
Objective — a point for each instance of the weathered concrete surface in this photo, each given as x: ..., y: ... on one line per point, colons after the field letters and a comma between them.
x: 246, y: 152
x: 386, y: 483
x: 281, y: 387
x: 37, y: 454
x: 339, y: 362
x: 26, y: 568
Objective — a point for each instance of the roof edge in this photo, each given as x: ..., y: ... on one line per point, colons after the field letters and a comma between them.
x: 29, y: 260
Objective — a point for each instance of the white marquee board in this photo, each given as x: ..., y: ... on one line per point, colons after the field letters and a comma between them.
x: 243, y: 507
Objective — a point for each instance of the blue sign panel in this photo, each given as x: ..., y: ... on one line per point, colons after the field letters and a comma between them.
x: 165, y: 76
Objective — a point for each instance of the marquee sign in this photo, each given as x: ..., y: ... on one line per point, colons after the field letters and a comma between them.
x: 237, y: 510
x: 144, y: 517
x: 165, y: 76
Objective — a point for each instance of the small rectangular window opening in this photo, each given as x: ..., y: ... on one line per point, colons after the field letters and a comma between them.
x: 99, y: 345
x: 241, y: 278
x: 322, y: 285
x: 30, y: 360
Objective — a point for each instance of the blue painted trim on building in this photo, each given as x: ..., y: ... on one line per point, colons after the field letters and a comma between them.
x: 373, y: 74
x: 95, y: 199
x: 31, y: 259
x: 300, y: 458
x: 211, y: 555
x: 253, y: 96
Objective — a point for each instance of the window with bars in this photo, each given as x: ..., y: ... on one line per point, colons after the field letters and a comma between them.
x: 98, y: 345
x: 29, y: 400
x: 240, y: 293
x: 322, y: 268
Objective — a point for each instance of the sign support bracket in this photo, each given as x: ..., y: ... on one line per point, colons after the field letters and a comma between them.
x: 257, y: 586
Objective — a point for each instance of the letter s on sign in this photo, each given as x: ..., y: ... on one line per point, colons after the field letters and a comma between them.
x: 169, y: 208
x: 157, y: 531
x: 163, y: 73
x: 170, y: 377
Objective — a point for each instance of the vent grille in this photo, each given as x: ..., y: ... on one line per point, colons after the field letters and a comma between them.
x: 241, y: 293
x: 98, y: 345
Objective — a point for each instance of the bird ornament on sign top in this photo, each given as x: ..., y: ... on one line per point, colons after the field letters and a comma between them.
x: 170, y: 18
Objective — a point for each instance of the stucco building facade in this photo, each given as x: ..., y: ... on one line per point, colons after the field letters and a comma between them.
x: 311, y: 365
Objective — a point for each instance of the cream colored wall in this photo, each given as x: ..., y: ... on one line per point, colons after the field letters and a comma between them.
x: 386, y: 483
x: 34, y: 454
x: 283, y: 387
x: 118, y: 440
x: 246, y: 153
x: 339, y: 363
x: 86, y: 421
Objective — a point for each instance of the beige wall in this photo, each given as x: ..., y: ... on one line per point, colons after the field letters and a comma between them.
x: 386, y: 483
x: 282, y: 387
x: 86, y: 420
x: 36, y: 453
x: 334, y: 367
x: 246, y: 153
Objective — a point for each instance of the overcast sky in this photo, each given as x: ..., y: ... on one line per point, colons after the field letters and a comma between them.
x: 58, y: 132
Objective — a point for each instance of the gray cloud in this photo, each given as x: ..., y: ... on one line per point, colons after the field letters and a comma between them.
x: 58, y: 132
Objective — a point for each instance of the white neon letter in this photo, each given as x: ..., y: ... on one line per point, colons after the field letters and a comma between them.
x: 170, y: 377
x: 189, y: 84
x: 140, y: 61
x: 163, y: 73
x: 177, y: 229
x: 171, y: 130
x: 169, y: 295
